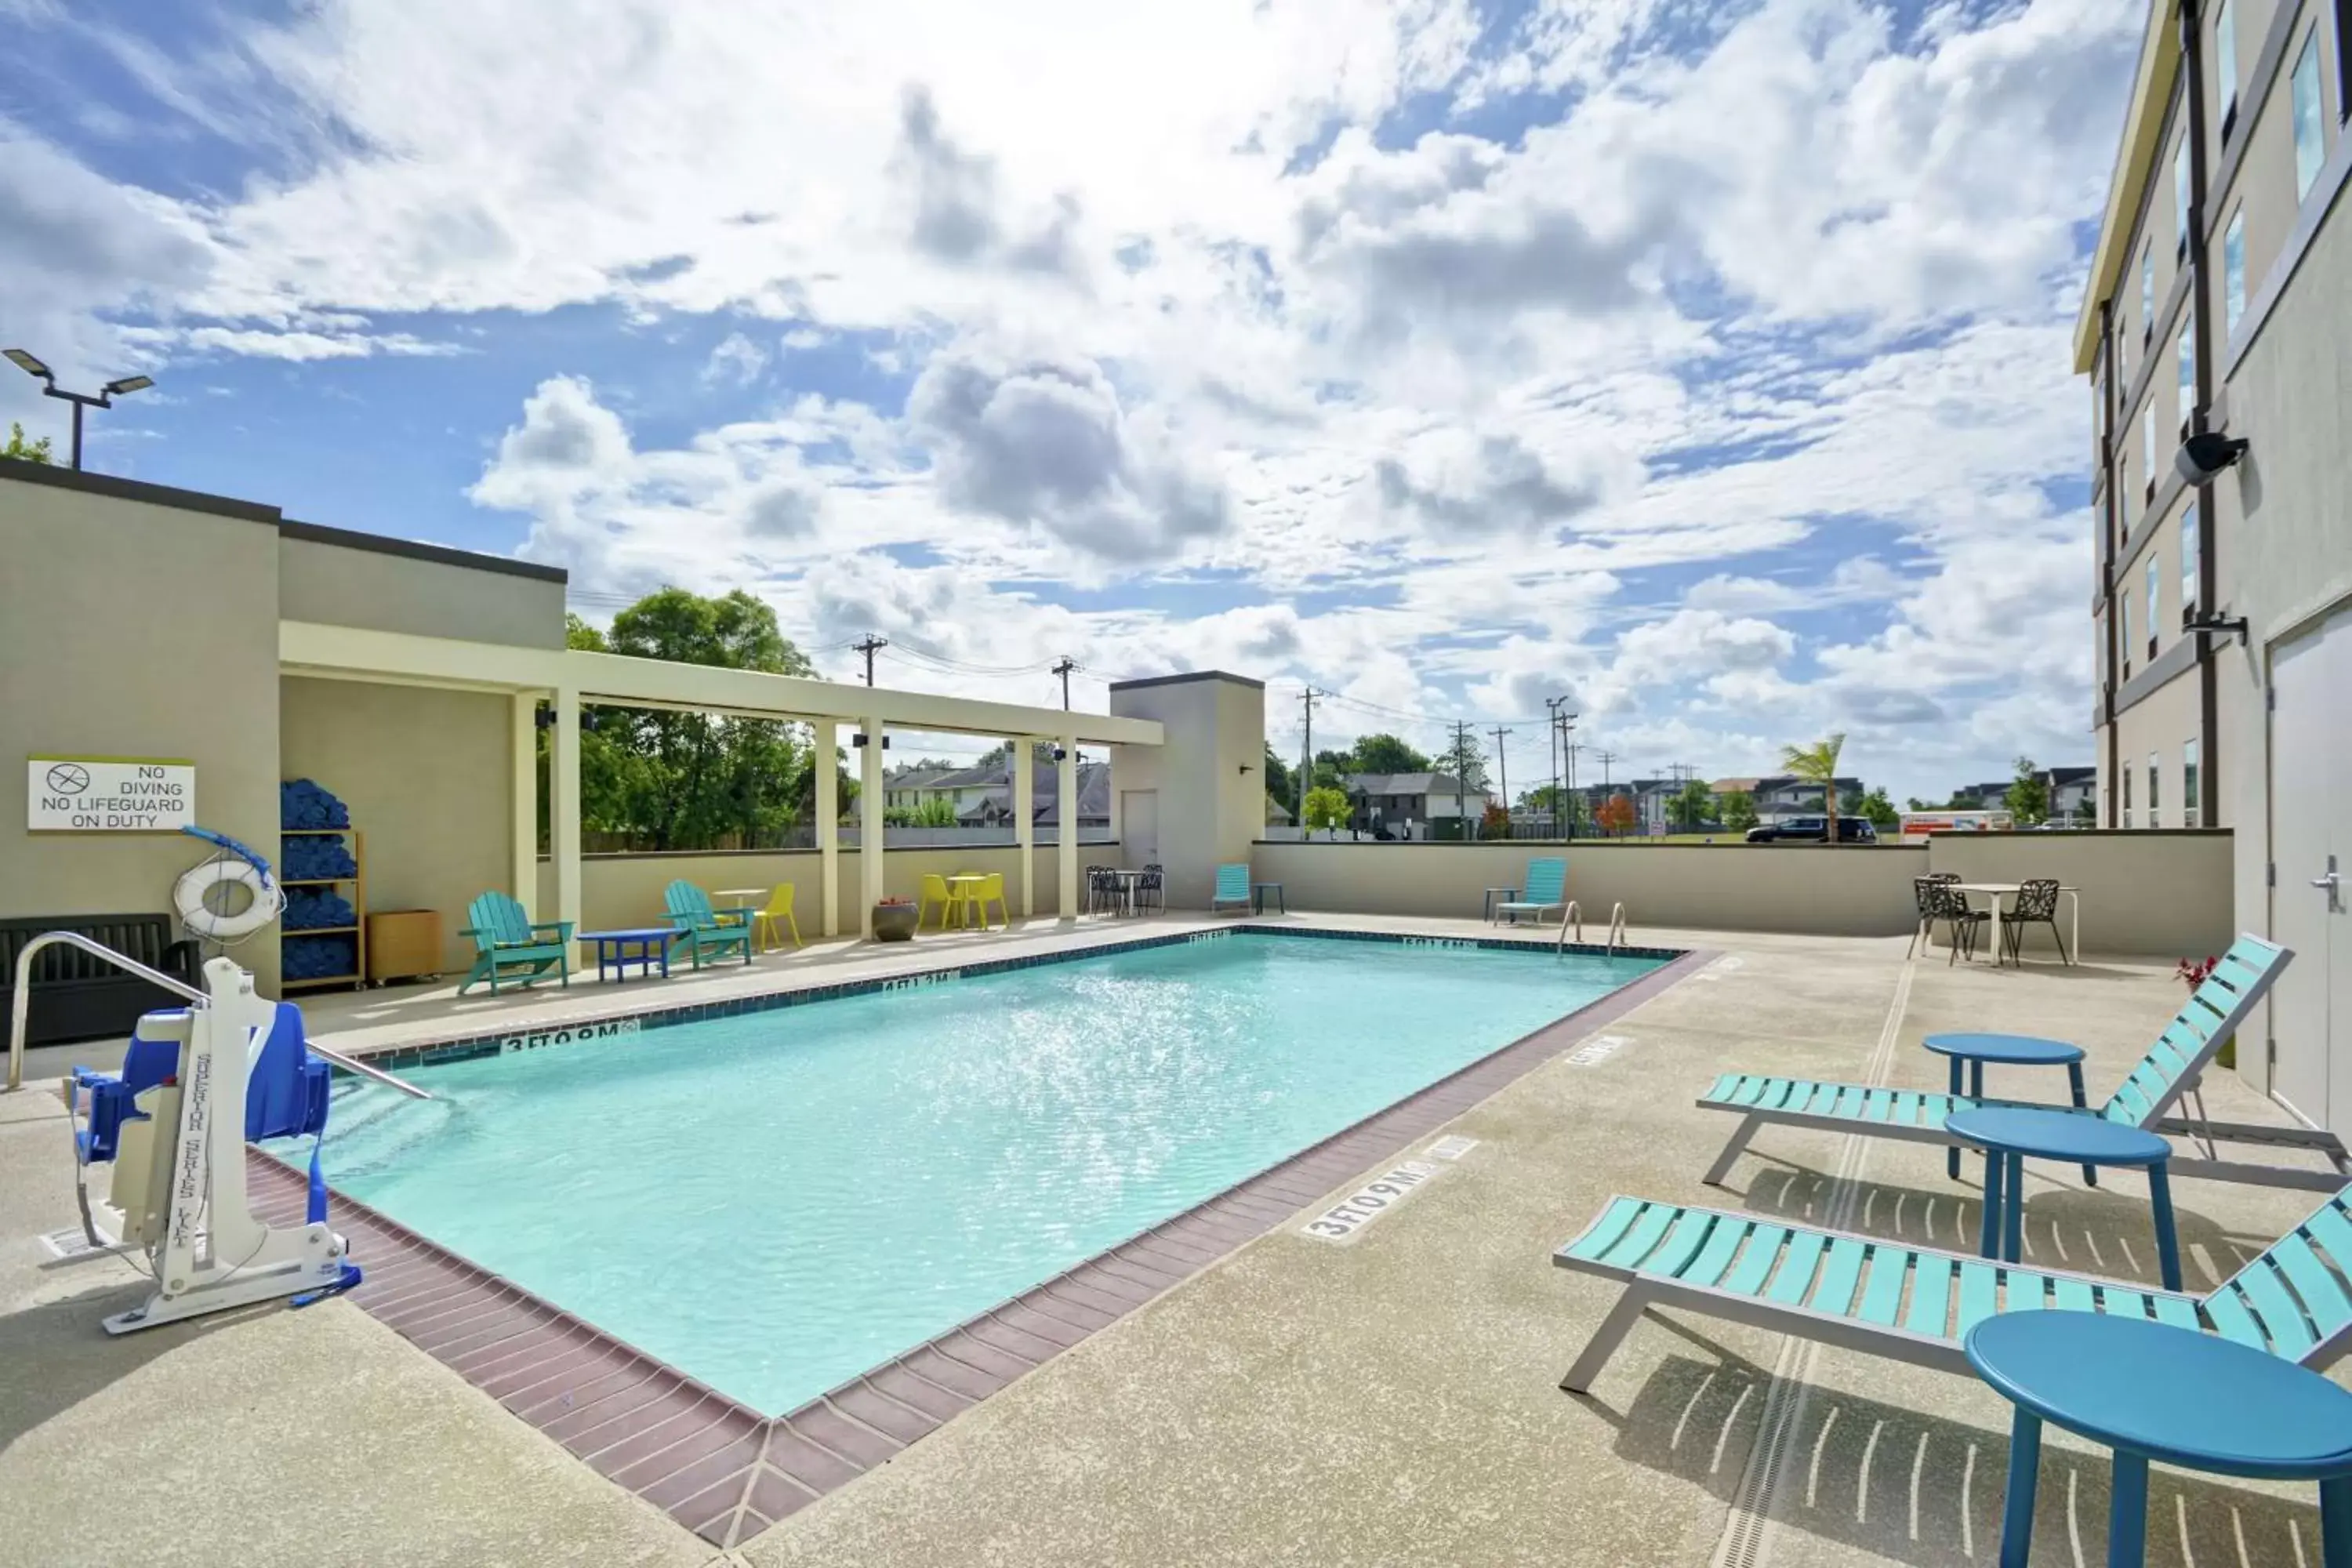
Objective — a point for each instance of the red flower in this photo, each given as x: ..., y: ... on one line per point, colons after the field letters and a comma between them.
x: 2193, y: 973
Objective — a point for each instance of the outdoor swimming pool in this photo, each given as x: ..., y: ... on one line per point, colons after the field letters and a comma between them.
x: 775, y: 1202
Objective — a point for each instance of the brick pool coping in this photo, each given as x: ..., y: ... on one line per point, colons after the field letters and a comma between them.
x: 725, y: 1471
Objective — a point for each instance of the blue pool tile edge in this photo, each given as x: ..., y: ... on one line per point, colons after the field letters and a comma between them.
x: 467, y: 1047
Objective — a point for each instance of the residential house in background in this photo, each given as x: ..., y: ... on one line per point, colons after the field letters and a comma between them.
x: 2073, y: 796
x: 1783, y: 795
x: 1393, y: 799
x: 905, y: 787
x: 990, y: 793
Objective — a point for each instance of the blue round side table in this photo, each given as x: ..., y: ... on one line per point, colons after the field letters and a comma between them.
x: 2010, y: 1134
x: 2151, y: 1390
x: 2008, y: 1050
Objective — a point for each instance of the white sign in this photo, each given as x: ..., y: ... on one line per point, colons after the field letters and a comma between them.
x: 1368, y: 1201
x: 110, y: 795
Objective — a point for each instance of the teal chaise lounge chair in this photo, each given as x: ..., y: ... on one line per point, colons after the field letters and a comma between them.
x: 506, y: 939
x: 2168, y: 1071
x: 1546, y: 888
x: 700, y: 928
x: 1917, y: 1304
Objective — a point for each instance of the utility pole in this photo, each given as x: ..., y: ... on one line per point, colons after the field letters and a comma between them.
x: 1606, y: 758
x: 1461, y: 775
x: 1551, y: 740
x: 1307, y: 763
x: 1501, y: 769
x: 867, y: 647
x: 1570, y: 748
x: 1062, y: 669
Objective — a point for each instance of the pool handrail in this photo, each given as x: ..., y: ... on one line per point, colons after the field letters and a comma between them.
x: 21, y: 999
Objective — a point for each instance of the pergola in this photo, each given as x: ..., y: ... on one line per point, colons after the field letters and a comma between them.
x: 567, y: 678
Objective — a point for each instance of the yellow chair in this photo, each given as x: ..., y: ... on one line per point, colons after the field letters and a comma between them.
x: 991, y: 891
x: 765, y: 927
x: 934, y: 891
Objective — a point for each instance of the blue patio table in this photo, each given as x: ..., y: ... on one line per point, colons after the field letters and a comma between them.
x: 651, y: 944
x: 2008, y: 1050
x: 2009, y: 1134
x: 2151, y: 1391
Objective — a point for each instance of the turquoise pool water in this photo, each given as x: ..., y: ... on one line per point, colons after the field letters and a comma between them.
x: 776, y: 1202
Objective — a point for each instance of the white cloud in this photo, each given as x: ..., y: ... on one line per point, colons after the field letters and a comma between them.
x: 1431, y: 412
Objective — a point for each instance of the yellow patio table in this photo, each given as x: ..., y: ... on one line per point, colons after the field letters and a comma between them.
x: 963, y: 893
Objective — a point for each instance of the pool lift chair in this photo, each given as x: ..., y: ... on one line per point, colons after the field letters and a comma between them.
x: 197, y: 1083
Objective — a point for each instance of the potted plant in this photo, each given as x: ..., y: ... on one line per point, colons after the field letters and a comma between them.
x: 2192, y: 973
x: 893, y: 920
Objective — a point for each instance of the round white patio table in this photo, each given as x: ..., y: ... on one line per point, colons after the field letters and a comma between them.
x: 1995, y: 892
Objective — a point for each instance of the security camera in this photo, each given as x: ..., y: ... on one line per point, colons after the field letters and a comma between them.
x: 2203, y: 457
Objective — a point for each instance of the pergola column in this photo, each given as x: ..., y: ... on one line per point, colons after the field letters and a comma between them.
x: 824, y: 742
x: 869, y: 827
x: 1023, y: 770
x: 564, y: 805
x: 522, y: 734
x: 1066, y: 830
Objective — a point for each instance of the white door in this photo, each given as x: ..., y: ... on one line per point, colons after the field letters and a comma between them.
x: 2311, y: 906
x: 1139, y: 826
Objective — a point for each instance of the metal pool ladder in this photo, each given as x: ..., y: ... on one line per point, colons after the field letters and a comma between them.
x: 1574, y: 915
x: 23, y: 998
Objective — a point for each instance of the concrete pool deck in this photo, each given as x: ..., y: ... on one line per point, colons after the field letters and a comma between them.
x: 1391, y: 1399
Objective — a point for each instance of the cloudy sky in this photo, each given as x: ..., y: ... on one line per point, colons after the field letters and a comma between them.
x: 1704, y: 362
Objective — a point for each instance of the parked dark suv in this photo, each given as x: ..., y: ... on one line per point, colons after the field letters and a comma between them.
x: 1814, y: 830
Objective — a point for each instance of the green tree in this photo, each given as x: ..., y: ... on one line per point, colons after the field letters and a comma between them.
x: 1326, y: 808
x: 1281, y: 785
x: 687, y: 781
x: 1464, y: 760
x: 1694, y: 806
x: 25, y: 451
x: 994, y: 757
x: 1818, y: 764
x: 1386, y: 754
x: 1736, y: 810
x: 2029, y: 797
x: 1880, y: 811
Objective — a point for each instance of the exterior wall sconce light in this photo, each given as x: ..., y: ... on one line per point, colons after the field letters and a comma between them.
x: 2204, y: 456
x: 2211, y: 625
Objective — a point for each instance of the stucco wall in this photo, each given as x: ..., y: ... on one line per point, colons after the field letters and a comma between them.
x: 1783, y: 887
x: 618, y: 890
x: 1208, y: 809
x: 345, y: 586
x: 425, y: 776
x: 132, y: 629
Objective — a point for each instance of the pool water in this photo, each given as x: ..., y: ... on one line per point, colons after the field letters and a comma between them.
x: 776, y: 1202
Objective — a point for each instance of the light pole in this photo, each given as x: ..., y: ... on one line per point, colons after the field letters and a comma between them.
x: 80, y: 400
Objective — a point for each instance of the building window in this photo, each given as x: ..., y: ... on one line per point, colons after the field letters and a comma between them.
x: 2310, y: 147
x: 2233, y: 272
x: 2155, y: 589
x: 2181, y: 197
x: 2225, y: 64
x: 2191, y: 550
x: 2147, y: 443
x: 2126, y: 771
x: 2153, y: 764
x: 2099, y: 641
x: 2189, y: 799
x: 2188, y: 361
x: 2123, y: 633
x: 2147, y: 289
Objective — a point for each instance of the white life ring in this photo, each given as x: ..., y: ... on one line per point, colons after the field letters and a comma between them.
x: 263, y: 902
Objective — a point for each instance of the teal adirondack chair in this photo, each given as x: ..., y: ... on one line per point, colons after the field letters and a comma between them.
x: 1546, y: 888
x: 506, y: 939
x: 702, y: 928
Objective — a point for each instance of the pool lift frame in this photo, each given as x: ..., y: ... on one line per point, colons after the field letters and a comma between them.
x: 179, y: 1189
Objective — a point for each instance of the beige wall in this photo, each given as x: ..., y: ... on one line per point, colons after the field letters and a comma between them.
x: 1785, y: 888
x: 2160, y: 723
x: 427, y: 775
x: 1208, y: 809
x: 130, y: 628
x: 346, y: 587
x: 2164, y: 895
x: 621, y: 891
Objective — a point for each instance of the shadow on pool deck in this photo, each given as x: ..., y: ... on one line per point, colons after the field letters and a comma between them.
x: 1911, y: 1487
